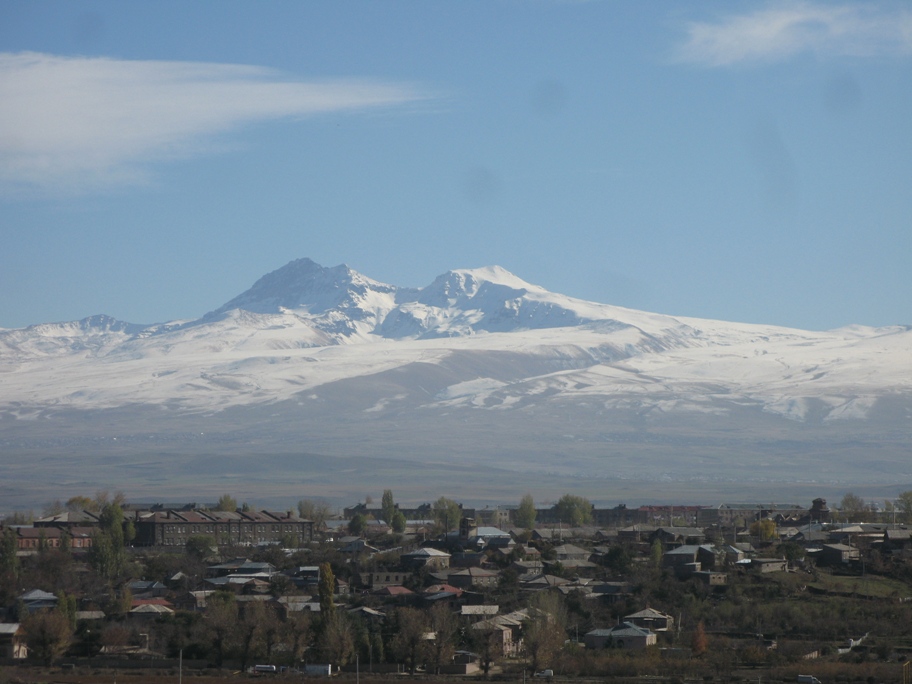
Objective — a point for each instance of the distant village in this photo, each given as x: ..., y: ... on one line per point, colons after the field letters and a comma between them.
x: 442, y: 588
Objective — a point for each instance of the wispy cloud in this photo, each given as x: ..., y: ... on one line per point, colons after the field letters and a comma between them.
x: 74, y: 124
x: 781, y: 30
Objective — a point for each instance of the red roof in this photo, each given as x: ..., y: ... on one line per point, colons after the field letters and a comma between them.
x: 395, y: 590
x: 152, y: 602
x: 437, y: 588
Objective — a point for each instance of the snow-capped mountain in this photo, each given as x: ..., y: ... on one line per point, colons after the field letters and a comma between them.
x: 357, y: 365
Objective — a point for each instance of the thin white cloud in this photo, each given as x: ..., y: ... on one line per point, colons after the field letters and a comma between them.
x: 782, y: 30
x: 74, y: 124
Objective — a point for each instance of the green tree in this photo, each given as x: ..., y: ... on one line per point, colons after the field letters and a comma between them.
x: 764, y: 529
x: 226, y: 502
x: 326, y: 590
x: 111, y: 520
x: 66, y: 605
x: 398, y: 522
x: 574, y: 510
x: 9, y: 561
x: 388, y: 506
x: 358, y: 524
x: 524, y: 516
x: 200, y: 545
x: 447, y: 514
x: 655, y: 554
x: 105, y: 557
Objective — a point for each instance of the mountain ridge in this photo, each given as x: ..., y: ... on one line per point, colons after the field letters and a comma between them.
x: 478, y: 366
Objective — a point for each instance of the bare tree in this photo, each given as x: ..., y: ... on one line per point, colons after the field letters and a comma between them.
x: 442, y: 622
x: 411, y: 630
x: 47, y: 634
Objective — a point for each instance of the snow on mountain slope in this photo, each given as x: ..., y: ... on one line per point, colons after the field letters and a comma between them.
x: 305, y: 327
x: 338, y: 300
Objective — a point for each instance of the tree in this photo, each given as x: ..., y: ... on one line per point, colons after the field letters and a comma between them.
x: 524, y: 516
x: 316, y: 510
x: 9, y: 561
x: 47, y: 635
x: 226, y: 502
x: 105, y: 557
x: 250, y: 631
x: 327, y: 588
x: 852, y: 507
x: 698, y: 642
x: 487, y: 642
x: 388, y: 506
x: 574, y: 510
x: 442, y: 622
x: 447, y: 514
x: 200, y: 545
x: 764, y: 529
x: 337, y: 641
x: 904, y: 503
x: 297, y: 633
x: 66, y: 606
x: 545, y: 631
x: 358, y: 524
x: 398, y: 522
x: 410, y: 630
x: 220, y: 622
x: 80, y: 503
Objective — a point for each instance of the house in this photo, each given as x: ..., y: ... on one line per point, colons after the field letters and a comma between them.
x: 651, y: 619
x: 425, y: 557
x: 477, y: 613
x: 765, y: 565
x: 69, y: 519
x: 384, y: 578
x: 836, y: 554
x: 473, y: 577
x: 612, y: 592
x: 241, y: 567
x: 711, y: 578
x: 569, y: 552
x: 147, y: 588
x: 687, y: 559
x: 540, y: 582
x: 150, y: 611
x: 12, y: 641
x: 897, y: 541
x: 625, y: 635
x: 175, y: 527
x: 505, y: 631
x: 679, y: 535
x: 636, y: 533
x: 36, y: 600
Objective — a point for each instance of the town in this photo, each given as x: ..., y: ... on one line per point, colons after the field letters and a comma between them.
x: 728, y: 591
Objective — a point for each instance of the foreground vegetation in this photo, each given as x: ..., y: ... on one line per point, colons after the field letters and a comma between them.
x: 770, y: 626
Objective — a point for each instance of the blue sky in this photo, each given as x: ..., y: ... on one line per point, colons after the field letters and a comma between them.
x: 734, y: 160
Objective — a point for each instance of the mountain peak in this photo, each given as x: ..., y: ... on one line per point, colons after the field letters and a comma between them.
x: 303, y: 284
